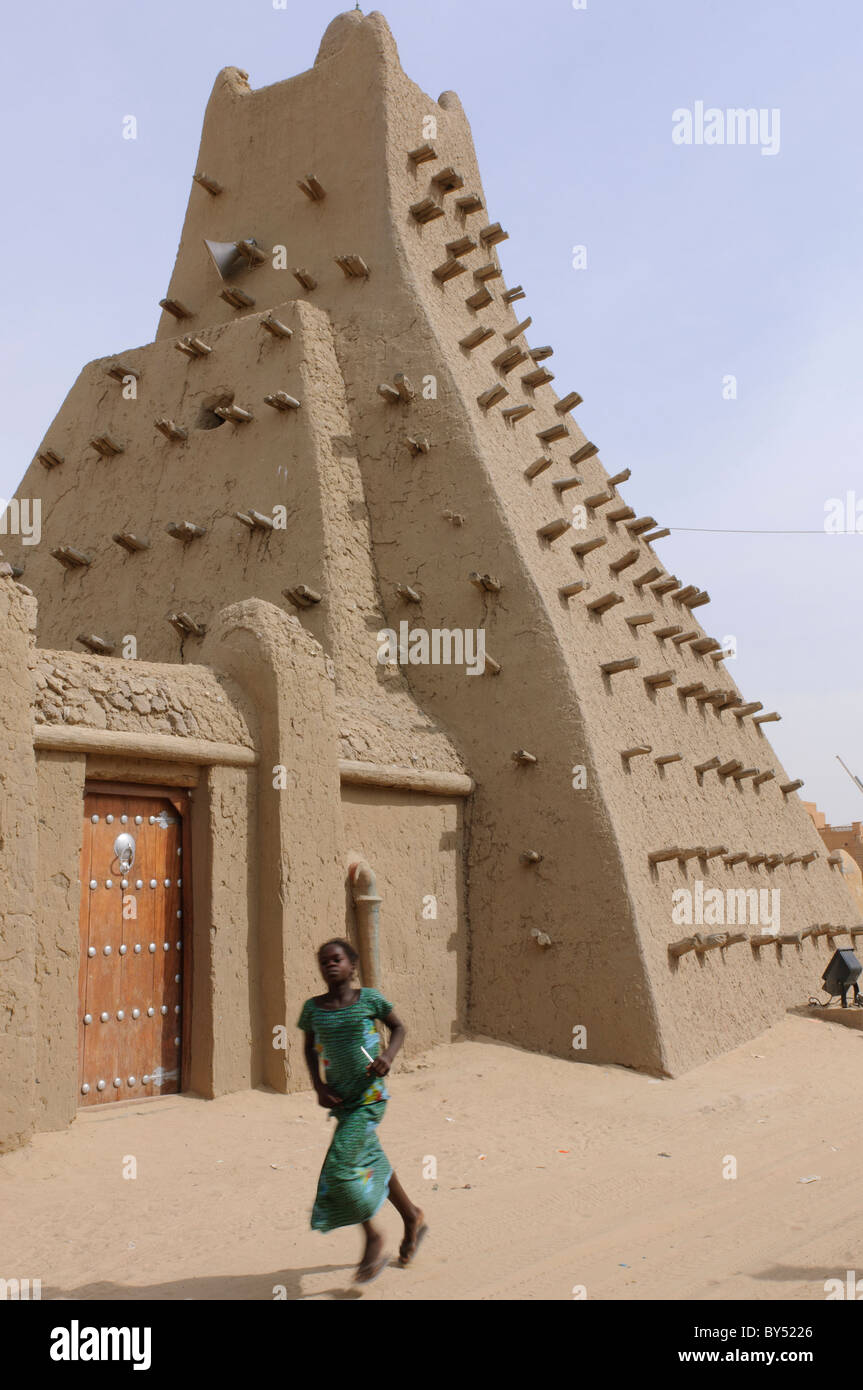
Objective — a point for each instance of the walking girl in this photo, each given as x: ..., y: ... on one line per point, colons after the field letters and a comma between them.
x: 357, y: 1177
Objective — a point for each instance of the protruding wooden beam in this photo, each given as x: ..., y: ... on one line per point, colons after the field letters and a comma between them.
x: 550, y: 435
x: 461, y: 246
x: 582, y: 548
x: 705, y: 645
x: 641, y: 523
x: 302, y: 276
x: 213, y: 187
x: 666, y: 585
x: 542, y: 354
x: 353, y: 266
x: 660, y: 680
x: 665, y: 758
x: 732, y: 859
x: 680, y: 948
x: 487, y: 272
x: 707, y: 766
x: 492, y: 395
x: 237, y: 298
x: 522, y: 756
x: 660, y: 856
x: 255, y: 520
x: 684, y: 637
x: 513, y: 413
x: 448, y: 181
x: 510, y: 296
x: 129, y: 541
x: 648, y: 577
x: 577, y: 587
x: 538, y: 466
x: 587, y: 451
x: 276, y: 328
x: 755, y: 859
x: 672, y: 630
x: 565, y: 484
x: 422, y: 153
x: 622, y: 477
x: 697, y: 852
x: 694, y: 688
x: 70, y: 558
x: 175, y: 308
x: 469, y: 203
x: 639, y: 751
x: 314, y: 191
x: 520, y: 328
x: 106, y: 445
x: 493, y: 234
x: 619, y: 514
x: 568, y: 403
x: 418, y: 446
x: 656, y: 535
x: 186, y: 625
x: 426, y: 210
x: 767, y: 718
x: 407, y: 594
x: 49, y: 458
x: 604, y: 603
x: 767, y: 776
x: 683, y: 594
x: 508, y: 359
x: 301, y: 596
x: 751, y: 708
x: 478, y: 335
x: 713, y: 941
x: 486, y: 582
x: 726, y: 769
x: 539, y: 377
x: 625, y: 663
x: 448, y: 270
x: 193, y: 347
x: 185, y: 530
x: 787, y: 787
x: 171, y: 430
x: 598, y: 499
x: 698, y: 601
x: 530, y: 856
x: 235, y: 413
x: 553, y: 530
x: 809, y: 857
x: 99, y: 646
x: 118, y: 371
x: 744, y: 772
x: 640, y: 619
x: 624, y: 561
x: 480, y: 299
x: 760, y: 939
x: 280, y: 400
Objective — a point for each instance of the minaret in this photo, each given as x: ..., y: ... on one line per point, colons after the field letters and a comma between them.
x: 345, y: 412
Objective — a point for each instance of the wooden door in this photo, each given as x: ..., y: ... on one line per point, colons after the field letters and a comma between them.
x: 130, y: 979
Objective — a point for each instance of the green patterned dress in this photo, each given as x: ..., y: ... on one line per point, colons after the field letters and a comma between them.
x: 355, y: 1178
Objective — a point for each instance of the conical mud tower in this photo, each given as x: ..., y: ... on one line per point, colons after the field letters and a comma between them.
x: 343, y: 419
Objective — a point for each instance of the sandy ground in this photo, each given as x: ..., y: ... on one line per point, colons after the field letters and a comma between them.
x: 591, y: 1176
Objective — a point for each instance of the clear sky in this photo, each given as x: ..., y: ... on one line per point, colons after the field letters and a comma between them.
x: 703, y: 261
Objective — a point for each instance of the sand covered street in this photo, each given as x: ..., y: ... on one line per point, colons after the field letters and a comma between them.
x: 592, y: 1176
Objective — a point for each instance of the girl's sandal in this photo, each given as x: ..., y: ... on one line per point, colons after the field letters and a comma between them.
x: 376, y: 1270
x: 405, y: 1260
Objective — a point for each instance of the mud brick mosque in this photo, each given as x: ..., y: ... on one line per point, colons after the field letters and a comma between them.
x: 344, y: 425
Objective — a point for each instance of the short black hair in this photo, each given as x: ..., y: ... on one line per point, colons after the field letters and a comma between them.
x: 352, y: 954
